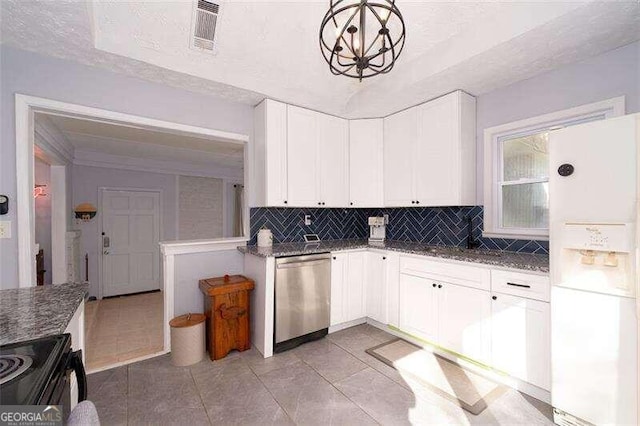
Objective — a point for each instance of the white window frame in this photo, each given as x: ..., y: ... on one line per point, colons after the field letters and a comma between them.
x: 493, y: 136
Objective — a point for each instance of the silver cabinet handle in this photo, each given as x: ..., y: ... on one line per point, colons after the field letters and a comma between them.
x: 300, y: 264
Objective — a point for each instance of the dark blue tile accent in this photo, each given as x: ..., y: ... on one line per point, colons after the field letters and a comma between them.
x: 444, y: 226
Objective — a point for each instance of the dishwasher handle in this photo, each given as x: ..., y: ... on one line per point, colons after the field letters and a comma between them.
x: 302, y: 263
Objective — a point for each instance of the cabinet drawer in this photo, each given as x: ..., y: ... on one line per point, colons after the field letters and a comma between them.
x: 520, y: 284
x: 454, y: 273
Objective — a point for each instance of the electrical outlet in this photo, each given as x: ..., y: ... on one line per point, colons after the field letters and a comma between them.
x: 307, y: 219
x: 5, y: 229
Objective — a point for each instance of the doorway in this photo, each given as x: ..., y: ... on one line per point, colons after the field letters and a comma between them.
x: 130, y: 241
x: 126, y: 152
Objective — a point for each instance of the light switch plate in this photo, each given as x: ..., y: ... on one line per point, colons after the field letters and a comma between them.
x: 5, y: 229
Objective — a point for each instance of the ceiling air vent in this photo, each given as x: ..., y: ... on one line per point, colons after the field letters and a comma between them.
x: 205, y: 21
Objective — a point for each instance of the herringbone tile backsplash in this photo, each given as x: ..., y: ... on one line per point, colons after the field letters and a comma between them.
x: 442, y: 226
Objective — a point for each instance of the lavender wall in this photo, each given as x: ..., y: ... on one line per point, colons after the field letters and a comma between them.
x: 612, y: 74
x: 86, y: 183
x: 63, y: 80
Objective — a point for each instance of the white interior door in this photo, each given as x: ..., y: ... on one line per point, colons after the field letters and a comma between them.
x: 130, y: 252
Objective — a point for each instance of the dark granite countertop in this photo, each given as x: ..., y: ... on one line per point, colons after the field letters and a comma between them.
x: 502, y: 259
x: 33, y: 312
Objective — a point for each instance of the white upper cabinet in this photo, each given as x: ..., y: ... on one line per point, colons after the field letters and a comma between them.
x: 302, y: 157
x: 365, y: 162
x: 333, y: 156
x: 429, y: 153
x: 422, y: 156
x: 400, y: 138
x: 317, y: 151
x: 270, y: 153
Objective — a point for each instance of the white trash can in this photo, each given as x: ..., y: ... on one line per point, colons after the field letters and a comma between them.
x: 187, y: 339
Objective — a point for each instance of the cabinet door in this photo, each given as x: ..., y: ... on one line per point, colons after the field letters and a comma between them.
x: 355, y: 285
x: 464, y: 320
x: 418, y: 307
x: 365, y: 163
x: 302, y: 157
x: 334, y: 151
x: 338, y: 288
x: 392, y: 283
x: 520, y: 339
x: 270, y: 153
x: 376, y: 292
x: 437, y: 171
x: 400, y: 135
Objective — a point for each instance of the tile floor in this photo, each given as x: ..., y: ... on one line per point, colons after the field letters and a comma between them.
x: 330, y: 381
x: 123, y: 328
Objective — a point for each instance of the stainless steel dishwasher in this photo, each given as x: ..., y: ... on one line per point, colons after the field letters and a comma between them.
x: 302, y: 299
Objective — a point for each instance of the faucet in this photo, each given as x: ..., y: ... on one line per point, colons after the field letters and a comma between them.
x: 471, y: 242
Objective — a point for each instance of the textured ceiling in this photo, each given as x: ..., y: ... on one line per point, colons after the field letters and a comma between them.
x: 270, y: 49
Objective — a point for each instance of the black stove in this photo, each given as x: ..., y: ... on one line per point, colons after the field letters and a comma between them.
x: 38, y: 372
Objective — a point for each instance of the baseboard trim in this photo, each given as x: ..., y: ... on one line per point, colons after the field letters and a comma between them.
x: 342, y: 326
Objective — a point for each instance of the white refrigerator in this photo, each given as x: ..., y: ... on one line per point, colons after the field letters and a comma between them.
x: 593, y: 191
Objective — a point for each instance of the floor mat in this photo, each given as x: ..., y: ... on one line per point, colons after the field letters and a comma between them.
x: 471, y: 391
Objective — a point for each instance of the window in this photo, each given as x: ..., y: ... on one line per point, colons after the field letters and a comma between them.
x: 516, y: 170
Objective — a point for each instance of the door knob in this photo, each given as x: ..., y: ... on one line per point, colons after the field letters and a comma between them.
x: 105, y: 252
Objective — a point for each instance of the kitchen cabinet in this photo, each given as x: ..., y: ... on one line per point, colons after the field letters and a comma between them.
x: 381, y: 292
x: 520, y: 330
x: 400, y: 138
x: 365, y: 163
x: 317, y: 150
x: 447, y: 304
x: 302, y: 157
x: 347, y: 287
x: 419, y: 307
x: 270, y: 153
x: 464, y: 320
x: 334, y: 161
x: 338, y: 277
x: 429, y: 153
x: 448, y: 315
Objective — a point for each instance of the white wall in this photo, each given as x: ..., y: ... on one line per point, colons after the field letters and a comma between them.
x: 191, y: 268
x: 612, y: 74
x: 63, y: 80
x: 42, y: 175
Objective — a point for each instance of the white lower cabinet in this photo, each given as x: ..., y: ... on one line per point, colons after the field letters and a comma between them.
x: 376, y: 291
x: 448, y: 315
x: 520, y: 338
x: 347, y: 287
x: 339, y: 263
x: 464, y: 323
x: 419, y: 307
x: 452, y: 305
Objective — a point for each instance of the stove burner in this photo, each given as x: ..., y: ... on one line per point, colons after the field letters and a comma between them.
x: 11, y: 366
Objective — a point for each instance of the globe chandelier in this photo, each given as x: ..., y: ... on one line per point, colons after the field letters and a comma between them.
x: 362, y: 38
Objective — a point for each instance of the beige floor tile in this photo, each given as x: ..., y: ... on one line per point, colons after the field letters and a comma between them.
x: 123, y: 328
